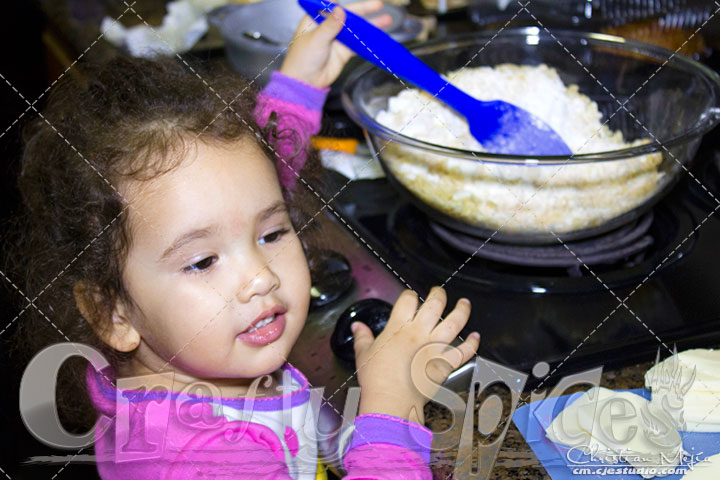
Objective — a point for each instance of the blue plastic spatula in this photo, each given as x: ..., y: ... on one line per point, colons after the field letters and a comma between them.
x: 500, y: 127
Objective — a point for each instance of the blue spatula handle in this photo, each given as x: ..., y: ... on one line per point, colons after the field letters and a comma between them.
x: 378, y: 48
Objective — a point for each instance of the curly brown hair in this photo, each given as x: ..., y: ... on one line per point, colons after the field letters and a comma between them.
x: 127, y: 119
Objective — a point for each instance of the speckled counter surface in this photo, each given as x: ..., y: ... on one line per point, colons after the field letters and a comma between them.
x: 515, y: 459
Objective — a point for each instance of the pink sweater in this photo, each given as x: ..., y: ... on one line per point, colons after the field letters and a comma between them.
x: 174, y: 435
x: 298, y: 107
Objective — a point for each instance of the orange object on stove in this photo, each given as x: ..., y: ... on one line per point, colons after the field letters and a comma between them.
x: 348, y: 145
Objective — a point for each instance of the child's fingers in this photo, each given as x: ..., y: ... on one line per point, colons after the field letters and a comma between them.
x: 328, y: 30
x: 306, y: 25
x: 432, y: 309
x: 461, y: 354
x: 336, y: 20
x: 381, y: 21
x: 364, y: 7
x: 368, y: 7
x: 402, y: 312
x: 362, y: 338
x: 450, y: 327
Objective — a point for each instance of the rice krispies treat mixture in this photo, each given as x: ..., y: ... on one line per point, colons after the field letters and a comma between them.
x: 560, y: 198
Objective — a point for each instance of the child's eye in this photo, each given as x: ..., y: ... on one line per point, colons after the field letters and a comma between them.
x: 274, y: 236
x: 203, y: 264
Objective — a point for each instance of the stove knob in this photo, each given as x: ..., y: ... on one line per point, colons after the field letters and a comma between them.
x: 333, y: 280
x: 373, y: 312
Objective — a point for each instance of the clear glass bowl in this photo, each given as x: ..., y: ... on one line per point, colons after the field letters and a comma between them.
x: 669, y: 101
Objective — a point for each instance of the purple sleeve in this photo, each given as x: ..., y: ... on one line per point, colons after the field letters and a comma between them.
x: 298, y: 107
x: 385, y: 447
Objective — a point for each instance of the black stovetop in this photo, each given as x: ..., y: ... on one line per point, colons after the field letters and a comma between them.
x: 571, y: 318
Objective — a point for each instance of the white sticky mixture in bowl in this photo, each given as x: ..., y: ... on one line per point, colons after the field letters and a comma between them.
x: 518, y: 198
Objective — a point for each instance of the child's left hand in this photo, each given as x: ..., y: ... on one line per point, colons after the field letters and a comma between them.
x: 314, y: 56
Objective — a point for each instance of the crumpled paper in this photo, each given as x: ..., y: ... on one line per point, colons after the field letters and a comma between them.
x: 183, y: 25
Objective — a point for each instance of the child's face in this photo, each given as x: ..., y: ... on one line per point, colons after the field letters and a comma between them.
x: 212, y: 253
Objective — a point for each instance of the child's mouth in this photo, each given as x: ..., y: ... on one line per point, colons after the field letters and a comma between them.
x: 266, y: 330
x: 261, y: 324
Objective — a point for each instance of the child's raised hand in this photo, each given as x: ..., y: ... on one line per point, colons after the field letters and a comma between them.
x: 413, y: 340
x: 314, y: 56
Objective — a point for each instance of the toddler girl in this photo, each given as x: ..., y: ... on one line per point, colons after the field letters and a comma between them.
x: 171, y: 234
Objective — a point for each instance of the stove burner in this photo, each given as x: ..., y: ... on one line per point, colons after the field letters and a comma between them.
x: 332, y: 277
x: 403, y: 235
x: 373, y: 312
x: 705, y: 186
x: 608, y: 248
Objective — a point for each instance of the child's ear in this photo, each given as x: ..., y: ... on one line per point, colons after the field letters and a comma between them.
x: 117, y: 332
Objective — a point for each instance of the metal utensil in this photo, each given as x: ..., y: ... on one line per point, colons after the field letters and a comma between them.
x: 255, y: 35
x: 499, y: 126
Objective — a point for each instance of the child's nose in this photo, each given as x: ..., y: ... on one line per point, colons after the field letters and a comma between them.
x: 258, y: 280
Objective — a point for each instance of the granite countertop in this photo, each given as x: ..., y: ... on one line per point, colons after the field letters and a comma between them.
x: 515, y: 459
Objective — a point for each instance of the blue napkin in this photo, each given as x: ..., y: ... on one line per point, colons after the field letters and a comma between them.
x: 532, y: 420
